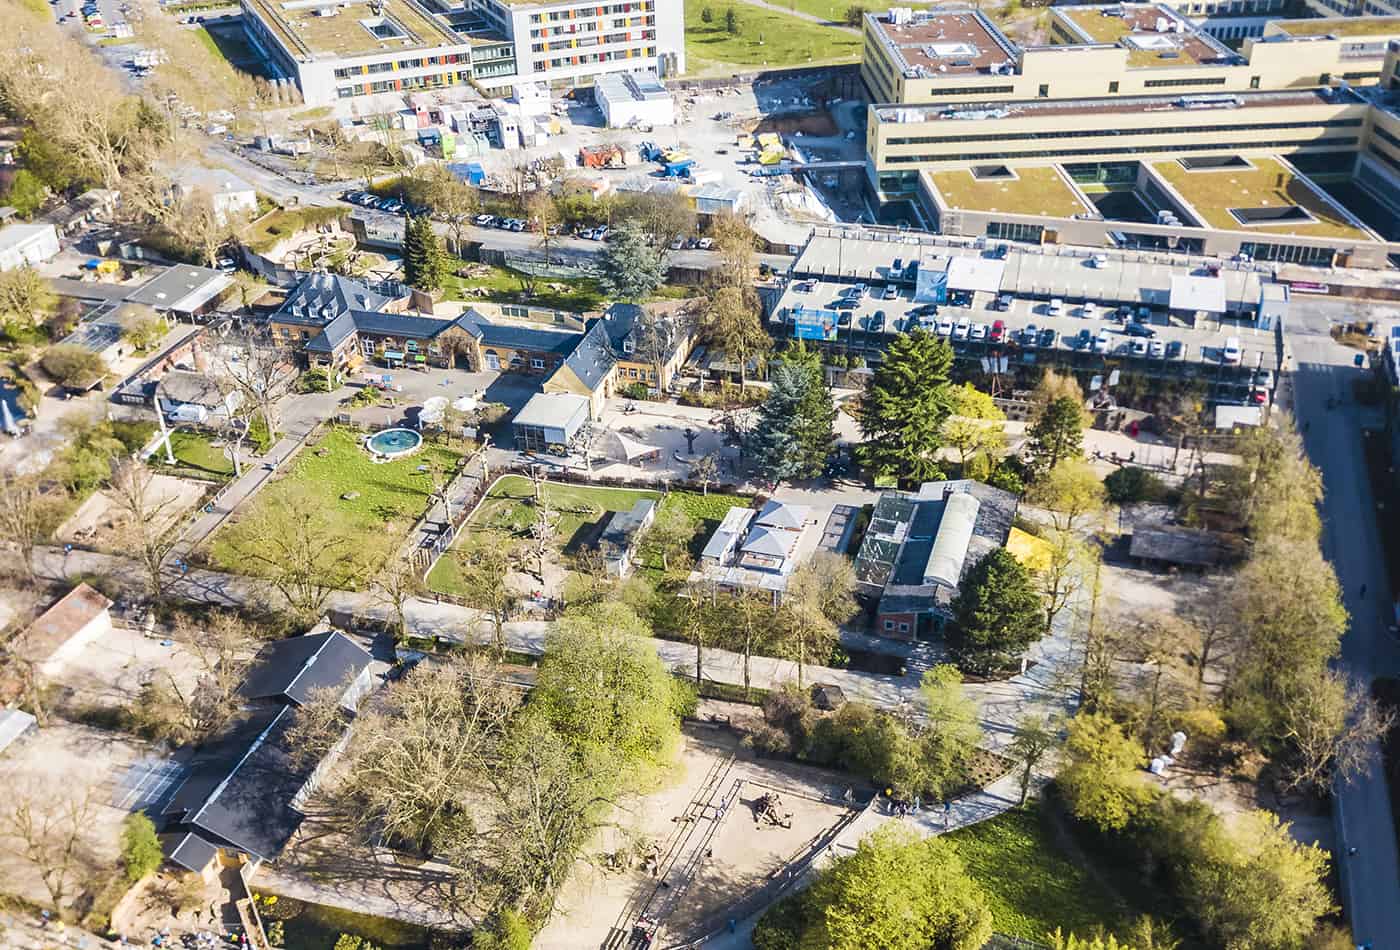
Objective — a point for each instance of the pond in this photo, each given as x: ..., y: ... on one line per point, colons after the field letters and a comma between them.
x: 317, y: 927
x: 392, y: 443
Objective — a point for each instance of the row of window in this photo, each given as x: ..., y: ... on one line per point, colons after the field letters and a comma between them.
x: 435, y: 81
x: 446, y: 59
x: 611, y: 39
x: 1171, y: 83
x: 560, y: 62
x: 1085, y: 133
x: 592, y: 26
x: 1334, y: 142
x: 554, y: 16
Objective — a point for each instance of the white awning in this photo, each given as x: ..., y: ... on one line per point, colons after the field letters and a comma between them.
x: 634, y: 449
x: 1197, y: 293
x: 976, y: 273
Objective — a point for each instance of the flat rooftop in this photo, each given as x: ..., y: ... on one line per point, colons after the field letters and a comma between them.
x: 1266, y: 195
x: 1186, y: 102
x: 1155, y: 36
x: 353, y: 27
x: 941, y: 44
x: 1342, y: 27
x: 1036, y: 189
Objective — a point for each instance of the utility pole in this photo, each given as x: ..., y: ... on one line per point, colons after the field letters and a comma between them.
x: 164, y: 432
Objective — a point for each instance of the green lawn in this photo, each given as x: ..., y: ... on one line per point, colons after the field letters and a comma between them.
x: 764, y: 38
x: 193, y: 449
x: 506, y: 510
x: 391, y: 495
x: 833, y: 10
x: 1032, y: 885
x: 505, y: 285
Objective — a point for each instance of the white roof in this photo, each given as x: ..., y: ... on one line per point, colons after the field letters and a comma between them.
x: 1195, y: 292
x: 976, y: 274
x: 13, y: 724
x: 16, y: 235
x: 767, y: 541
x: 735, y: 521
x: 553, y: 411
x: 1227, y: 417
x: 213, y: 180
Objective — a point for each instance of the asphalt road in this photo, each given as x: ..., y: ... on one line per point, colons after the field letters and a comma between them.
x: 1370, y: 876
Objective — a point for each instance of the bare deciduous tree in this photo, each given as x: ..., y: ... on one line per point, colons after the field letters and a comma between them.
x: 44, y: 826
x: 1334, y: 727
x: 485, y: 570
x: 22, y: 509
x: 147, y: 532
x: 262, y: 374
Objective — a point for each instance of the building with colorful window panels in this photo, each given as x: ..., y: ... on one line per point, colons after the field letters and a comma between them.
x: 340, y: 49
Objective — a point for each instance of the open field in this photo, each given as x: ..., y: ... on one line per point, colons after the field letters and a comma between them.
x: 98, y: 521
x: 504, y: 284
x: 764, y: 38
x: 1032, y: 884
x: 389, y: 496
x: 508, y: 509
x: 196, y: 450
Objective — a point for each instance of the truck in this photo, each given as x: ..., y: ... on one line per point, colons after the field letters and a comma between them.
x: 678, y: 169
x: 771, y: 156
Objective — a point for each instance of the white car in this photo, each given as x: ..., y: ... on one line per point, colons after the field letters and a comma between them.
x: 1230, y: 353
x: 1088, y: 311
x: 1102, y: 341
x: 1098, y: 260
x: 1055, y: 307
x: 961, y: 330
x: 944, y: 328
x: 979, y: 331
x: 1156, y: 349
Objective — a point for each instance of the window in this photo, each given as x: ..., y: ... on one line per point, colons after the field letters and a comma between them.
x: 537, y: 363
x: 1253, y: 82
x: 411, y: 346
x: 1113, y: 87
x: 1169, y: 83
x: 889, y: 624
x: 1044, y: 90
x: 904, y: 628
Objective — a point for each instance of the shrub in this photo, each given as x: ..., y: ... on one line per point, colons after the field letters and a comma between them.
x: 1132, y: 484
x: 141, y: 852
x: 73, y: 365
x: 769, y: 741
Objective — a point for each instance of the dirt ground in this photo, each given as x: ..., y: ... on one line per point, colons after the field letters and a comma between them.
x: 98, y: 521
x: 705, y: 869
x: 64, y: 770
x: 111, y: 671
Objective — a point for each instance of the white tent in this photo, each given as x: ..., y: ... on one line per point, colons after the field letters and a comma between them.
x: 464, y: 403
x: 634, y: 450
x: 433, y: 409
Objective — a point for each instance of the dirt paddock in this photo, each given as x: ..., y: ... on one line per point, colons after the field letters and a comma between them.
x: 703, y: 833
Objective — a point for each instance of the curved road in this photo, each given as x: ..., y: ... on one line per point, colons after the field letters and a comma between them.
x: 1371, y: 876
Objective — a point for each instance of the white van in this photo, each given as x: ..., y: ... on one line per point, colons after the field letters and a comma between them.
x: 1231, y: 352
x: 1098, y: 260
x: 1055, y: 307
x: 187, y: 412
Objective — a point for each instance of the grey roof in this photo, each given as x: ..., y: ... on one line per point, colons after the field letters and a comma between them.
x: 188, y: 850
x: 592, y: 359
x: 216, y: 758
x: 399, y: 324
x: 197, y: 388
x: 781, y: 514
x: 333, y: 334
x: 621, y: 531
x: 731, y: 529
x: 553, y: 411
x: 904, y: 527
x: 95, y: 335
x: 320, y: 298
x: 251, y: 806
x: 13, y: 724
x: 528, y: 338
x: 182, y: 287
x: 770, y: 542
x: 294, y: 668
x: 213, y: 180
x: 1185, y: 546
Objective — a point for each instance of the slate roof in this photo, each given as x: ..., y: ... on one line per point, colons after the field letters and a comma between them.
x: 528, y: 338
x: 768, y: 541
x: 188, y: 850
x: 593, y: 358
x: 216, y: 758
x: 320, y: 298
x: 292, y: 669
x: 182, y: 286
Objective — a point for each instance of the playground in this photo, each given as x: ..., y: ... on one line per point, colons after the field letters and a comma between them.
x: 679, y: 861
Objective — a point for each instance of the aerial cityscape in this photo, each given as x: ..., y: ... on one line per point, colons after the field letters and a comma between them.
x: 680, y: 474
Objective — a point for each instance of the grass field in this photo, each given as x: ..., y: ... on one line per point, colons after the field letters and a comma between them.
x: 764, y: 38
x: 391, y: 495
x: 506, y: 510
x: 1032, y: 885
x: 504, y: 284
x: 193, y: 450
x: 832, y: 10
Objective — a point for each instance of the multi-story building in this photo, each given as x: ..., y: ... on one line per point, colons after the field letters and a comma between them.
x: 1134, y: 129
x: 340, y: 49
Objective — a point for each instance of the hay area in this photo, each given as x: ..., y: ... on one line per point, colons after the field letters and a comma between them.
x: 99, y: 521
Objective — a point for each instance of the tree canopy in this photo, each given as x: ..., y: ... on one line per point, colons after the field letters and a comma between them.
x: 795, y: 432
x: 1102, y: 779
x: 1056, y: 434
x: 903, y: 410
x: 424, y: 260
x: 632, y: 266
x: 997, y: 612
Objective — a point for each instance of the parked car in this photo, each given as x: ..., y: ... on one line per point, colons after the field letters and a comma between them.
x: 858, y: 290
x: 978, y: 332
x: 706, y: 243
x: 998, y: 331
x: 924, y: 310
x: 677, y: 243
x: 843, y: 320
x: 1003, y: 302
x: 1055, y: 307
x: 1156, y: 349
x: 601, y: 232
x: 482, y: 220
x: 1139, y: 329
x: 877, y: 322
x: 1083, y: 340
x: 944, y: 328
x: 891, y: 292
x: 1264, y: 379
x: 1231, y: 352
x: 517, y: 225
x: 1102, y: 341
x: 1030, y: 336
x: 1048, y: 338
x: 961, y: 329
x: 1139, y: 347
x: 1098, y: 260
x: 1175, y: 349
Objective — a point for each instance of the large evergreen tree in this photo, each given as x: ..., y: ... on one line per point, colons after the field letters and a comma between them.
x: 997, y: 613
x: 424, y: 261
x: 795, y: 432
x: 632, y: 267
x: 903, y: 411
x: 1057, y: 434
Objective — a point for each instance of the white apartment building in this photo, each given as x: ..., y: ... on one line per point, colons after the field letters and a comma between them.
x: 340, y: 49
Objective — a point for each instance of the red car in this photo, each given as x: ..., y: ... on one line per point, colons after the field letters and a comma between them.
x: 998, y: 331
